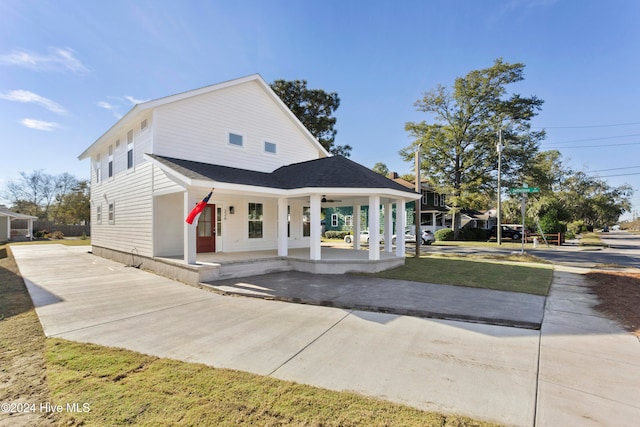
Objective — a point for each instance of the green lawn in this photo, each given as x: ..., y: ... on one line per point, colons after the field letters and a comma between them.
x: 122, y: 387
x: 500, y: 275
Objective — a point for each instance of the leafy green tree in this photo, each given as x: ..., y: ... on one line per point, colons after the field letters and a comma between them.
x: 381, y: 168
x: 314, y: 108
x: 458, y: 149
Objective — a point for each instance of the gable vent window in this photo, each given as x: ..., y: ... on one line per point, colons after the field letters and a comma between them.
x: 270, y: 147
x: 235, y: 140
x: 143, y: 125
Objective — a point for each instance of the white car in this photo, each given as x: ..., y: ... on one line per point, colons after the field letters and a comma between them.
x: 364, y: 238
x: 427, y: 237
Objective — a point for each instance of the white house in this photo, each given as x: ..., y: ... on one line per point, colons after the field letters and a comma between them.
x: 271, y: 180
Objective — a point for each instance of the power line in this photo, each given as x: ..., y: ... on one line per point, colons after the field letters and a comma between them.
x: 596, y: 139
x: 595, y: 146
x: 586, y: 127
x: 615, y: 169
x: 622, y: 174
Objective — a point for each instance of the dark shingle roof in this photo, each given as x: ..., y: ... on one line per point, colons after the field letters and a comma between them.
x: 326, y: 172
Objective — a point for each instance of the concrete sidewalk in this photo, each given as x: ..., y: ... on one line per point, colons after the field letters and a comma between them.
x: 393, y: 296
x: 588, y: 373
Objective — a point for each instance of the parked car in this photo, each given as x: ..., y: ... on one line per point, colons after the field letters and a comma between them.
x: 364, y: 238
x: 507, y: 232
x: 428, y: 237
x: 409, y: 237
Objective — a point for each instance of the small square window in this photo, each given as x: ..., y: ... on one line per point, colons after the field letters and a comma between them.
x: 235, y: 139
x: 143, y: 125
x: 269, y: 147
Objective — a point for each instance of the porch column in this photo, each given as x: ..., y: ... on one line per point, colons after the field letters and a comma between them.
x: 433, y: 217
x: 400, y: 226
x: 374, y: 228
x: 283, y: 243
x: 316, y: 227
x: 30, y: 227
x: 189, y: 234
x: 357, y: 227
x: 388, y: 227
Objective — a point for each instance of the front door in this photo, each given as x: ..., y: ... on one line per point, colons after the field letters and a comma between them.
x: 206, y: 241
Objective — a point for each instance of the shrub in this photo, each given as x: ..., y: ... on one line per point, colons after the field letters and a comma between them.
x: 444, y: 234
x: 473, y: 234
x: 40, y: 234
x: 335, y: 234
x: 84, y: 236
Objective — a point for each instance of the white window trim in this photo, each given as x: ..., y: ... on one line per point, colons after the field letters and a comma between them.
x: 348, y: 220
x: 111, y: 212
x: 110, y: 161
x: 98, y: 170
x: 335, y: 221
x: 228, y: 140
x: 99, y: 213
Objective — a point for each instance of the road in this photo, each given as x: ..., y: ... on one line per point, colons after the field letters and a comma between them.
x: 623, y: 250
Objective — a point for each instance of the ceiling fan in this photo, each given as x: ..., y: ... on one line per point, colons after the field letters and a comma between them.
x: 325, y: 200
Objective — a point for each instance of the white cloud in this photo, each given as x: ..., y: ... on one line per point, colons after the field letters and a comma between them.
x: 106, y: 105
x: 39, y: 124
x: 30, y: 97
x: 57, y: 59
x: 134, y: 101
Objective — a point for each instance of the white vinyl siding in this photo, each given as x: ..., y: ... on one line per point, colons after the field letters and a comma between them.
x: 197, y: 129
x: 132, y: 201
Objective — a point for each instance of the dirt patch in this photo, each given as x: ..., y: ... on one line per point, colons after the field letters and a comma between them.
x: 619, y: 295
x: 23, y: 377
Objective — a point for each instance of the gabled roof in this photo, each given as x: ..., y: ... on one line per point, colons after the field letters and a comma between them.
x: 15, y: 215
x: 138, y: 109
x: 326, y: 172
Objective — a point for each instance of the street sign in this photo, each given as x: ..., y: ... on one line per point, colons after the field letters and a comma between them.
x: 524, y: 190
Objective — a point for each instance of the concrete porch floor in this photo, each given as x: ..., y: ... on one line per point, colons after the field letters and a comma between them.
x: 334, y: 260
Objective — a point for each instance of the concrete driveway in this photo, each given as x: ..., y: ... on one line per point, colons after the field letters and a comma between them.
x: 558, y: 376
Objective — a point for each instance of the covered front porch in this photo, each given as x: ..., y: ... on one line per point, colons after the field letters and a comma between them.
x: 213, y: 266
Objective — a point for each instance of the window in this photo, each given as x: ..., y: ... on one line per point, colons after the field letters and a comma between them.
x: 334, y: 220
x: 436, y: 199
x: 98, y: 170
x: 255, y: 220
x: 442, y: 200
x: 269, y: 147
x: 112, y: 212
x: 235, y: 139
x: 99, y: 214
x: 143, y: 125
x: 348, y: 220
x: 306, y: 221
x: 130, y: 149
x: 110, y: 164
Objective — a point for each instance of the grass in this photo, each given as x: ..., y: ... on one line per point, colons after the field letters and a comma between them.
x: 124, y: 387
x: 499, y: 275
x: 591, y: 239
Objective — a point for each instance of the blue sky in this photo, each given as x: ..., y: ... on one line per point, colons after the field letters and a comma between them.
x: 70, y: 69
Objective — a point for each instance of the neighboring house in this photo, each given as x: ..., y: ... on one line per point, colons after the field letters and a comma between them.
x: 271, y: 177
x: 7, y: 232
x: 434, y: 212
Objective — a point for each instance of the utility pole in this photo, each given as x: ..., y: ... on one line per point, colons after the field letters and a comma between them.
x: 418, y: 203
x: 499, y: 147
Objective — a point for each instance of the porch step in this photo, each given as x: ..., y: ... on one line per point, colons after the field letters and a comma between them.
x: 253, y: 268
